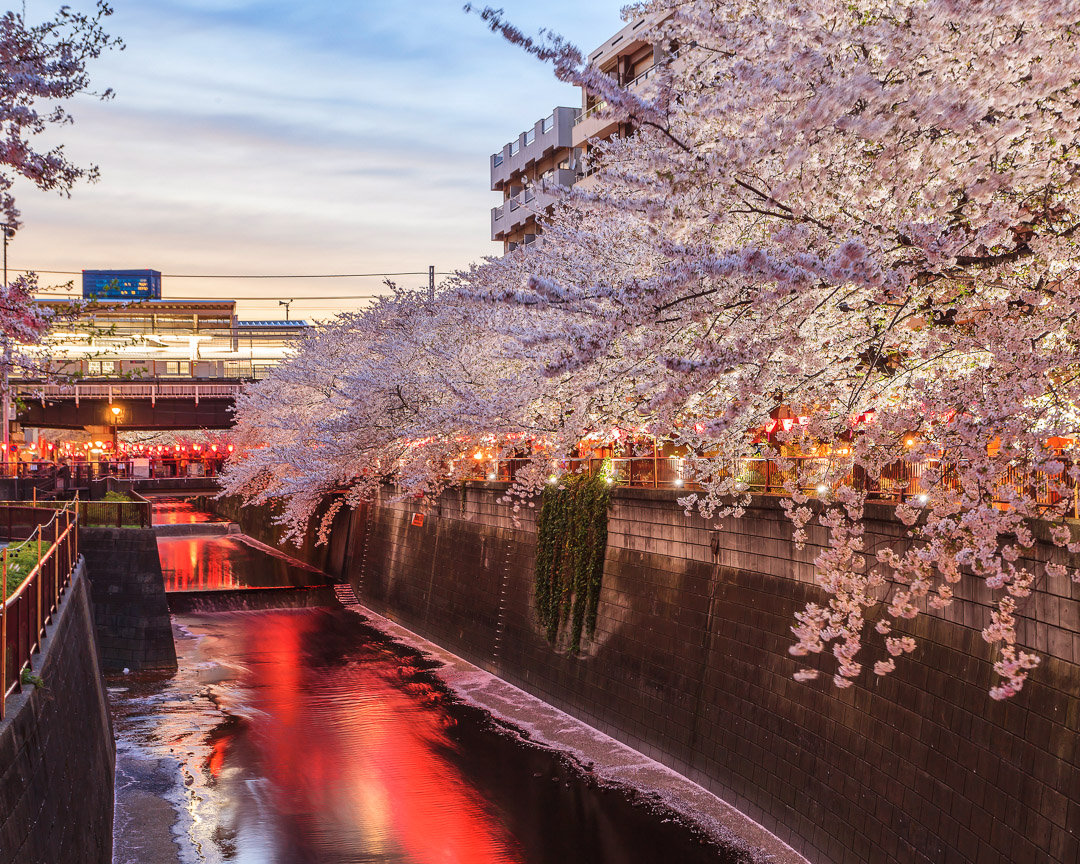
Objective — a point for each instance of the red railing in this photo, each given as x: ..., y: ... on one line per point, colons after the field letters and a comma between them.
x: 31, y: 606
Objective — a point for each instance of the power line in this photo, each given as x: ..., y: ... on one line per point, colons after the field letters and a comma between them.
x: 275, y: 297
x: 253, y: 275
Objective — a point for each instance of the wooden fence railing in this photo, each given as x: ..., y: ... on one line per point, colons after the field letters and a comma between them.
x: 31, y: 606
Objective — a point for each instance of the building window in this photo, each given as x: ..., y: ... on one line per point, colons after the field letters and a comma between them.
x: 177, y: 367
x: 103, y: 368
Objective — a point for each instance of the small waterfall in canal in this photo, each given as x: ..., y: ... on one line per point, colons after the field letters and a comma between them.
x: 304, y: 735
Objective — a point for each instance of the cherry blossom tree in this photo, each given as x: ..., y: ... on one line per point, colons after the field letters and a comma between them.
x: 41, y: 66
x: 834, y: 210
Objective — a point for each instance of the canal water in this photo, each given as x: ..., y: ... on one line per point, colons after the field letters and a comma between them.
x: 180, y: 511
x: 304, y: 735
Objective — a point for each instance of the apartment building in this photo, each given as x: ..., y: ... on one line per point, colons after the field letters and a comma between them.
x: 529, y: 172
x: 533, y: 169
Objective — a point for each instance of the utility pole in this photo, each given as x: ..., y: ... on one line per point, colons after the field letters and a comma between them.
x: 431, y: 283
x: 286, y: 304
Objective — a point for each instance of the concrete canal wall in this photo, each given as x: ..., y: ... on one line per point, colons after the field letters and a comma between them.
x: 130, y: 608
x: 259, y: 522
x: 57, y: 751
x: 690, y: 666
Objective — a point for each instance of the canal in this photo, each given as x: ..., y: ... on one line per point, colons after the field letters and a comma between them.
x: 304, y: 735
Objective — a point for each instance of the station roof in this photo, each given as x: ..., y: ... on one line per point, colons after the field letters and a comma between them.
x: 272, y: 324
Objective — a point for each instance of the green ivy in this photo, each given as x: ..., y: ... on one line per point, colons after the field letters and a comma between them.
x: 571, y: 542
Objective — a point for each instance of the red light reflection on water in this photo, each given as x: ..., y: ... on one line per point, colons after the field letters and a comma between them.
x: 177, y: 511
x: 227, y: 563
x: 197, y: 564
x: 355, y: 751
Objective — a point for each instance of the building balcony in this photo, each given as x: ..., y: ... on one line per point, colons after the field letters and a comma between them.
x: 552, y: 133
x: 533, y: 201
x: 597, y: 122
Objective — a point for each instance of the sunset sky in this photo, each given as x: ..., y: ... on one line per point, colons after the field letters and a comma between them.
x: 275, y: 137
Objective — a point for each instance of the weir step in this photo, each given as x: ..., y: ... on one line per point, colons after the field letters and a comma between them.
x: 346, y: 596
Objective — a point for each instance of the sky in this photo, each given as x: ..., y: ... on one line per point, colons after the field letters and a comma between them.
x: 276, y: 137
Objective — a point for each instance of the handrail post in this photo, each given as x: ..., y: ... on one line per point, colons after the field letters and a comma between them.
x: 40, y: 623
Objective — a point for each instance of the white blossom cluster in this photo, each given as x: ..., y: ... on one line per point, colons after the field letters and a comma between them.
x: 849, y: 208
x: 40, y: 63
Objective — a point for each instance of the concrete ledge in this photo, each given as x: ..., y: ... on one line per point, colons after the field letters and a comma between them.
x: 197, y: 529
x: 191, y: 602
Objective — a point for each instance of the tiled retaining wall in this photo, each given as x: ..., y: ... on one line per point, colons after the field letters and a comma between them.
x: 57, y: 751
x: 690, y: 666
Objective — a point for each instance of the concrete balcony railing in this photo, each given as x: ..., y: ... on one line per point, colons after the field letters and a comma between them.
x: 528, y: 204
x: 553, y: 132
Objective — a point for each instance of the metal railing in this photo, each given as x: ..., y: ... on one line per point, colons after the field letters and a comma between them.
x: 634, y: 82
x: 78, y: 475
x: 48, y: 477
x: 815, y: 475
x: 41, y: 472
x: 30, y: 607
x: 585, y: 115
x: 137, y: 513
x: 116, y: 514
x: 133, y: 390
x: 652, y: 70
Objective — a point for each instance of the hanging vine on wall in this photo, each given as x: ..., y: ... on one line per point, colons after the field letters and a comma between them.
x: 571, y: 541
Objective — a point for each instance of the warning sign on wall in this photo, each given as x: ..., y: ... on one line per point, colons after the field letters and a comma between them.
x: 418, y: 520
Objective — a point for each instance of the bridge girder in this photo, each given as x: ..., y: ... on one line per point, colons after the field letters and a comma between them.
x: 134, y: 415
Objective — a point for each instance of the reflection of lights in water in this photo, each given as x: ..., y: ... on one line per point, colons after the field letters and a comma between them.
x: 326, y: 757
x: 222, y: 563
x: 301, y: 738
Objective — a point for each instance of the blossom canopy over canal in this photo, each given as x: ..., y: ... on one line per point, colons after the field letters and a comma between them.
x: 833, y: 209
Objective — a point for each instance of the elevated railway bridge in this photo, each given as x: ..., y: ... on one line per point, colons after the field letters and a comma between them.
x: 150, y: 404
x: 148, y: 365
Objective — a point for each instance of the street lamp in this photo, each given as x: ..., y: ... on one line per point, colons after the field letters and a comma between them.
x: 116, y: 411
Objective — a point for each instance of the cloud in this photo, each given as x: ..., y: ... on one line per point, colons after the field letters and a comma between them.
x: 266, y: 136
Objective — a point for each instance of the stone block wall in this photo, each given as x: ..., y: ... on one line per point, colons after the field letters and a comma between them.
x: 57, y: 752
x: 690, y: 666
x: 130, y: 608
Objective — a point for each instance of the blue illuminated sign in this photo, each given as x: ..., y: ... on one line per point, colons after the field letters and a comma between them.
x: 122, y: 284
